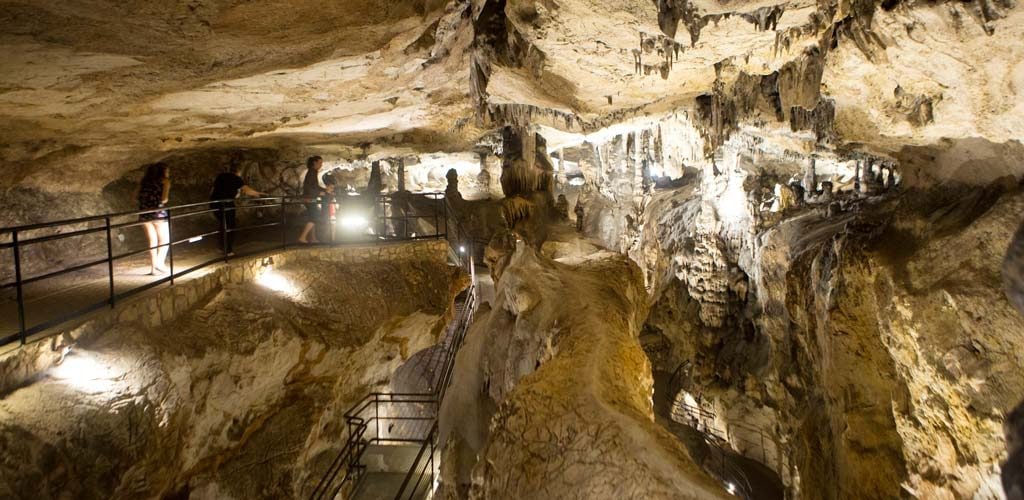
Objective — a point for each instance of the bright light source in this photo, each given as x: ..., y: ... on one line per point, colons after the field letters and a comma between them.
x: 462, y: 249
x: 273, y: 280
x: 577, y: 181
x: 732, y: 203
x: 352, y: 193
x: 197, y: 238
x: 82, y: 371
x: 731, y: 488
x: 353, y: 221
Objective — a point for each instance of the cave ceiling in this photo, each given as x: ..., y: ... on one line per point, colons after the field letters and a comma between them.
x: 97, y: 88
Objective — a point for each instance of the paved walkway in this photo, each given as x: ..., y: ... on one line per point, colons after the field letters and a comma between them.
x: 67, y: 295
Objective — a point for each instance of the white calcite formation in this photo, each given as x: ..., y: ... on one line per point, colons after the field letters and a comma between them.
x: 879, y: 333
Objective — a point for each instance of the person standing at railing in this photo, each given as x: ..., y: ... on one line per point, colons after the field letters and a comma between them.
x: 312, y: 190
x: 228, y: 186
x: 153, y: 193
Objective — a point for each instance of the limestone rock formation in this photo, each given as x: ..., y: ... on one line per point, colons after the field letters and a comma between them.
x: 566, y: 390
x: 815, y: 197
x: 242, y: 397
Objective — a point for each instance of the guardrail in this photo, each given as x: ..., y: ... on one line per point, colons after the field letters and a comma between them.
x: 732, y: 437
x: 397, y: 418
x: 397, y: 217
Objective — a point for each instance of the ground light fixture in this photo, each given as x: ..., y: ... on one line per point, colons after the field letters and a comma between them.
x: 277, y: 282
x: 353, y: 221
x: 462, y: 249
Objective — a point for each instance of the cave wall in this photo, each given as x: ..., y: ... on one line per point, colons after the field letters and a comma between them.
x: 874, y: 344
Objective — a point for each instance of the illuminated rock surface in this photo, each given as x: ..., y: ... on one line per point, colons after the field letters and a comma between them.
x: 815, y: 197
x: 242, y: 397
x: 566, y: 390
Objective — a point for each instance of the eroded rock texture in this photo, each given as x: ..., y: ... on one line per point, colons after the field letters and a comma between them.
x: 816, y: 195
x: 880, y: 335
x: 240, y: 398
x: 552, y: 391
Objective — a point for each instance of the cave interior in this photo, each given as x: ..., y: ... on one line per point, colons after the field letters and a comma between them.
x: 512, y: 249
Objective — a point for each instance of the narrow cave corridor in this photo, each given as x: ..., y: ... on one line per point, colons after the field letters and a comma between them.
x: 511, y: 249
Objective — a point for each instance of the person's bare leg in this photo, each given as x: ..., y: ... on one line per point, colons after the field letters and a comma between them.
x: 304, y: 237
x: 312, y: 235
x: 154, y: 240
x: 164, y: 236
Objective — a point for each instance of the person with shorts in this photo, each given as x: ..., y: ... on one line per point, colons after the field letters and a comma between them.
x: 153, y: 193
x: 311, y: 192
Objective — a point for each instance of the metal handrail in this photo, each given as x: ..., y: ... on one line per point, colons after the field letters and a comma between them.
x: 727, y: 438
x: 349, y: 456
x: 431, y: 441
x: 17, y: 243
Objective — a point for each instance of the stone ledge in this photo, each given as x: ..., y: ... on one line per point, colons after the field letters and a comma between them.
x: 163, y: 304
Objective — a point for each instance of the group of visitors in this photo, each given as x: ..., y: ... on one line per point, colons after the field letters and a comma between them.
x: 155, y: 188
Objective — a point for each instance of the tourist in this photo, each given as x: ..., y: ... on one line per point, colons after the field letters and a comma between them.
x: 311, y: 191
x: 228, y: 186
x: 153, y: 192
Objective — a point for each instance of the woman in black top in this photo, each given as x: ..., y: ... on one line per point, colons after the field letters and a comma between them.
x: 311, y: 190
x: 153, y: 192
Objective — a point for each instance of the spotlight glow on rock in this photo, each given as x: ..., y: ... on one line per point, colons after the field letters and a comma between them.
x: 85, y: 372
x: 273, y: 280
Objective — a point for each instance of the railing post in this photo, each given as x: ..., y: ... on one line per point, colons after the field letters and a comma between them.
x: 284, y: 227
x: 223, y: 230
x: 333, y: 221
x: 17, y: 281
x: 170, y: 247
x: 110, y: 261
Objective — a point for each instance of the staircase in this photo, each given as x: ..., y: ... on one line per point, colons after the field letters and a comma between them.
x: 391, y: 448
x: 386, y: 467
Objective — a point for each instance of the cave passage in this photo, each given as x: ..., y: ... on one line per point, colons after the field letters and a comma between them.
x: 512, y: 249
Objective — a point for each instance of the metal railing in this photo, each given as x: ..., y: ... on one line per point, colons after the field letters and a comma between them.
x: 420, y: 472
x: 421, y: 216
x: 734, y: 436
x: 731, y: 437
x: 399, y: 418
